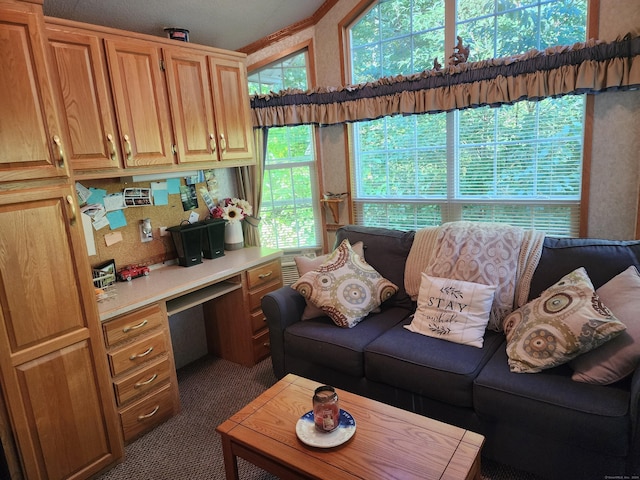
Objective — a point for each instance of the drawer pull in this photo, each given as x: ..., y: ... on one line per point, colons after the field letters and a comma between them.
x: 265, y: 275
x: 266, y: 344
x: 127, y: 329
x: 146, y: 382
x: 150, y: 414
x: 140, y: 355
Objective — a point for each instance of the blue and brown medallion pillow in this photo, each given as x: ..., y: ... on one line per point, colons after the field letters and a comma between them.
x: 345, y: 287
x: 566, y: 320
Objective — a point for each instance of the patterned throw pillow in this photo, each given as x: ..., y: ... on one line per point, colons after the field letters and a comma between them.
x: 306, y: 264
x: 620, y: 357
x: 566, y: 320
x: 453, y: 310
x: 345, y: 287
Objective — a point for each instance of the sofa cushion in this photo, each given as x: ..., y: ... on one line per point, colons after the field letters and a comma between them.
x: 345, y: 287
x: 602, y: 259
x: 620, y: 356
x: 306, y: 265
x: 427, y: 366
x: 566, y: 320
x: 453, y: 310
x: 550, y: 404
x: 386, y: 250
x: 319, y: 341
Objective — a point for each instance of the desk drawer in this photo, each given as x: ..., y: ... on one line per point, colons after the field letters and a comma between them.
x: 132, y: 324
x: 258, y: 321
x: 263, y: 274
x: 147, y: 413
x: 255, y: 298
x: 137, y: 353
x: 261, y: 346
x: 143, y: 381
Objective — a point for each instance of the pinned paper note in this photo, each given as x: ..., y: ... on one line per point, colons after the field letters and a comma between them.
x: 112, y: 238
x: 116, y: 219
x: 114, y: 201
x: 173, y: 185
x: 160, y: 193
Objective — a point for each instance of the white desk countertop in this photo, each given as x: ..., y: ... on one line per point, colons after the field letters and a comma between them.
x: 172, y: 281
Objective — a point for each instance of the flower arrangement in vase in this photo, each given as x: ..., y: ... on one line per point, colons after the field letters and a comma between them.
x: 233, y: 210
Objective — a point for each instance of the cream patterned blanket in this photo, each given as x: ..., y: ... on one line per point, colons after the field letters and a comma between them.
x: 487, y: 253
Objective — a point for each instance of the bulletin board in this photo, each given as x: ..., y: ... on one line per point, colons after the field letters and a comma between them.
x: 130, y: 249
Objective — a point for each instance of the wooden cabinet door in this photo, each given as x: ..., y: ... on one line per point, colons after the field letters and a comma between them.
x: 142, y: 107
x: 86, y: 100
x: 191, y: 105
x: 232, y: 110
x: 67, y: 433
x: 30, y: 135
x: 52, y: 360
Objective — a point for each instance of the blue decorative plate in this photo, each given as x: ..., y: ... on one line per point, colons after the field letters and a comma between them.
x: 308, y: 434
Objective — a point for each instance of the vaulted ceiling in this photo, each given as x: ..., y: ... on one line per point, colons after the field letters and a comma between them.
x: 228, y: 24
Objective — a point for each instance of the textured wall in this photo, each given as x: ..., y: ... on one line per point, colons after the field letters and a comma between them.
x: 615, y: 176
x: 615, y: 169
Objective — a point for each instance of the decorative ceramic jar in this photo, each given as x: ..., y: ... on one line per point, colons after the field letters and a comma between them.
x: 233, y: 236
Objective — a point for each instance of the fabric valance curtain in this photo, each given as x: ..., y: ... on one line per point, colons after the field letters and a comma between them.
x: 589, y: 67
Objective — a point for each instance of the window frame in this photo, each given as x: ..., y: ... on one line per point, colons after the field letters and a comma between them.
x: 305, y: 47
x: 592, y: 22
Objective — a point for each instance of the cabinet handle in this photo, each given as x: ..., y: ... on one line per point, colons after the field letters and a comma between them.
x: 265, y: 275
x: 74, y: 214
x: 112, y: 147
x: 150, y: 414
x: 128, y: 328
x: 146, y: 382
x: 266, y: 344
x: 212, y: 142
x: 140, y: 355
x: 127, y: 146
x: 223, y: 142
x: 56, y: 140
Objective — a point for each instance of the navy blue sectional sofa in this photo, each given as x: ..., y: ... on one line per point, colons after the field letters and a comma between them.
x: 543, y: 423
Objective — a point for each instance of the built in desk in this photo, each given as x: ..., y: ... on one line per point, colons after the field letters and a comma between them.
x: 136, y: 329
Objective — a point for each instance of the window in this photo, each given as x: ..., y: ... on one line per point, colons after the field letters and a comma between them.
x: 519, y: 164
x: 290, y: 206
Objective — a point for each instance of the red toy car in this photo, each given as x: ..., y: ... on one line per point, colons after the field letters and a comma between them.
x: 133, y: 271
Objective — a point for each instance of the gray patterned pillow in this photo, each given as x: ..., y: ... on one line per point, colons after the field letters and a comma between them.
x: 345, y: 287
x: 566, y: 320
x: 305, y: 265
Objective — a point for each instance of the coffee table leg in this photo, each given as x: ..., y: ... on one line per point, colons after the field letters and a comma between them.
x: 230, y: 460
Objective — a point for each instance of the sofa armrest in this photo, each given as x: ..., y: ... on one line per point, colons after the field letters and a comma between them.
x: 281, y: 308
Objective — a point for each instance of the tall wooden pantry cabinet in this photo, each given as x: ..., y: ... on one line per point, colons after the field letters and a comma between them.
x: 57, y: 418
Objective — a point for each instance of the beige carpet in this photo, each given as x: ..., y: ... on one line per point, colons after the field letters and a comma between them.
x: 188, y: 447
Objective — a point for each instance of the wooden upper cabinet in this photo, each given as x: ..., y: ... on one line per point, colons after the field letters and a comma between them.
x: 191, y: 105
x: 142, y: 106
x: 210, y: 107
x: 31, y: 144
x: 232, y: 109
x: 83, y: 87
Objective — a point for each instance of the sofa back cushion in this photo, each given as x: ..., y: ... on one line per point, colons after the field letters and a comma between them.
x: 386, y: 250
x: 602, y: 259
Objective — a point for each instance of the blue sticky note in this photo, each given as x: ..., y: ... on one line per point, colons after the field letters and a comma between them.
x: 161, y: 197
x: 97, y: 194
x: 116, y: 219
x: 173, y: 185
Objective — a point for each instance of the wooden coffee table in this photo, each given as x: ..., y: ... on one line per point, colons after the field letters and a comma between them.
x: 388, y: 442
